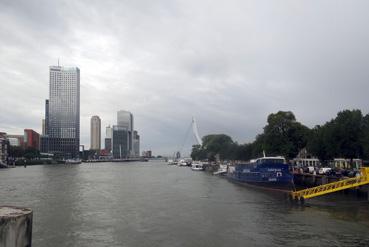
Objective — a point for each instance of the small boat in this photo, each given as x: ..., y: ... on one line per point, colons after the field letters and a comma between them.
x: 73, y: 161
x: 182, y: 163
x: 196, y: 166
x: 222, y: 170
x: 172, y: 162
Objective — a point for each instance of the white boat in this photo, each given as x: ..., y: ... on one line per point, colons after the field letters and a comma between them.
x: 172, y: 162
x: 197, y: 166
x: 221, y: 171
x: 73, y: 161
x: 182, y: 163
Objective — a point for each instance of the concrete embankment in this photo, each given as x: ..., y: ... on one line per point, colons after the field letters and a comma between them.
x: 15, y: 226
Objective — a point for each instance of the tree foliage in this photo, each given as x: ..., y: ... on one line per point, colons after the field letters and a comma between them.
x: 346, y: 136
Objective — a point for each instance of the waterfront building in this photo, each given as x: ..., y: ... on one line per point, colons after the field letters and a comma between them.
x: 31, y: 139
x: 16, y: 140
x: 125, y: 119
x: 62, y: 111
x: 44, y: 138
x: 95, y: 133
x: 108, y: 138
x: 120, y: 142
x: 3, y: 148
x: 136, y: 144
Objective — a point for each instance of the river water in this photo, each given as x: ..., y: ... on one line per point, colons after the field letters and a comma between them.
x: 152, y: 204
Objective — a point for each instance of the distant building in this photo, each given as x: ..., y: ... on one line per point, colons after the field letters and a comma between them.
x: 120, y: 142
x: 46, y: 117
x: 95, y: 133
x: 44, y: 138
x: 16, y: 140
x: 44, y: 144
x: 3, y: 148
x: 147, y: 154
x: 62, y: 111
x: 31, y: 139
x: 136, y: 144
x: 125, y: 119
x: 43, y: 132
x: 108, y: 139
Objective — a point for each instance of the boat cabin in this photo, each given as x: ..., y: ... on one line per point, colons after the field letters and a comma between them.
x: 274, y: 160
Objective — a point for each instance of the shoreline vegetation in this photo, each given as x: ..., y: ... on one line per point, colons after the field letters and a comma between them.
x: 345, y: 136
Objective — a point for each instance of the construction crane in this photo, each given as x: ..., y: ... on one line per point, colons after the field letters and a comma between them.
x: 348, y: 183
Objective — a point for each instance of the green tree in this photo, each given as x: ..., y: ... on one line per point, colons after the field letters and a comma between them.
x: 283, y: 135
x: 220, y: 144
x: 345, y: 136
x: 31, y: 153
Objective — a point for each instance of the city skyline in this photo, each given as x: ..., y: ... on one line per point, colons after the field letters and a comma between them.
x: 229, y: 68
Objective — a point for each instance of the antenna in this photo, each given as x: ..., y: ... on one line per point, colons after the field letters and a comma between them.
x: 58, y: 62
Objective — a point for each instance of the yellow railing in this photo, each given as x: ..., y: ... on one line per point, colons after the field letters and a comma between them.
x: 333, y: 187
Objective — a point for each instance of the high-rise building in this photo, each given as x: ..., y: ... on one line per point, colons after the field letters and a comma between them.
x: 16, y: 140
x: 46, y: 117
x: 120, y: 142
x: 108, y: 138
x: 125, y: 119
x: 31, y: 139
x: 136, y: 144
x: 44, y: 138
x: 95, y: 133
x: 43, y: 127
x: 63, y: 111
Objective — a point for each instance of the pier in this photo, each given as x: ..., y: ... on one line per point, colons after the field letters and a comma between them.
x: 327, y: 186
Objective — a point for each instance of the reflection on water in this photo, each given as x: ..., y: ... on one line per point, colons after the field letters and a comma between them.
x: 151, y: 204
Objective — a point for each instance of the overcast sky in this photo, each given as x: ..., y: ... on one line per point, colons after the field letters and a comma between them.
x: 229, y: 63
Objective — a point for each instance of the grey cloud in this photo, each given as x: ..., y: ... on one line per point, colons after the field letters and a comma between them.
x: 228, y: 63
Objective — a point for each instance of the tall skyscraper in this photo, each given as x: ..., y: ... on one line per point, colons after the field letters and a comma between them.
x: 136, y: 144
x: 95, y: 133
x: 46, y: 117
x: 63, y: 120
x: 43, y: 132
x: 108, y: 138
x: 125, y: 120
x: 120, y: 142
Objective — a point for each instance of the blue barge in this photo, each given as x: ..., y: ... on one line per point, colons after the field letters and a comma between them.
x: 272, y: 172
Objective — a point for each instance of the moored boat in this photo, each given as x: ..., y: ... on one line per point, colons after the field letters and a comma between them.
x: 73, y: 161
x: 197, y: 166
x: 182, y: 163
x: 270, y: 172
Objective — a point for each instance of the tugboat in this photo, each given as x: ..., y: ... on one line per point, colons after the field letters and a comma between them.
x: 272, y: 172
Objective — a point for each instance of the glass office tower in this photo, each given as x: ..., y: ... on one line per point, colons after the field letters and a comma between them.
x: 64, y: 111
